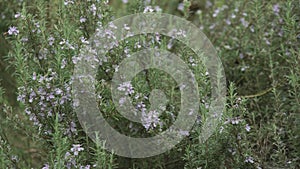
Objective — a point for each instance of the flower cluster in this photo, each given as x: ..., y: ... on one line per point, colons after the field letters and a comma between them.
x: 43, y: 100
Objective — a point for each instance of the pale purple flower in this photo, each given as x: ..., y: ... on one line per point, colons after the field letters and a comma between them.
x: 84, y: 40
x: 170, y: 44
x: 126, y: 27
x: 93, y: 9
x: 252, y: 28
x: 73, y: 127
x: 69, y: 2
x: 248, y: 128
x: 21, y: 97
x: 82, y: 19
x: 34, y: 76
x: 43, y: 53
x: 249, y: 159
x: 58, y: 91
x: 51, y: 40
x: 180, y: 7
x: 13, y: 30
x: 17, y: 15
x: 24, y: 39
x: 14, y: 158
x: 235, y: 120
x: 122, y: 101
x: 228, y: 22
x: 125, y: 1
x: 76, y: 149
x: 126, y: 87
x: 241, y: 55
x: 184, y: 133
x: 216, y: 12
x: 157, y: 9
x: 276, y: 9
x: 267, y: 41
x: 148, y: 9
x: 85, y: 167
x: 150, y: 120
x: 141, y: 107
x: 27, y: 111
x: 32, y: 96
x: 46, y: 166
x: 208, y: 4
x: 75, y: 59
x: 212, y: 26
x: 63, y: 63
x: 244, y: 22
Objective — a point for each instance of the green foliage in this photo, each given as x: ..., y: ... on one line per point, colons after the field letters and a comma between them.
x: 257, y: 41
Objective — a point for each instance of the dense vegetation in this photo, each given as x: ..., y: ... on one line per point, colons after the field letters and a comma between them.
x: 257, y: 41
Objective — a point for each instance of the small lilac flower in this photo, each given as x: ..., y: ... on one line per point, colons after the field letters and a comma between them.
x: 180, y: 7
x: 82, y: 19
x: 157, y: 9
x: 27, y: 111
x: 21, y: 98
x: 51, y: 40
x: 112, y: 25
x: 235, y: 120
x: 244, y: 22
x: 216, y: 12
x: 228, y: 22
x: 126, y: 87
x: 34, y: 76
x: 58, y: 91
x: 83, y: 40
x: 126, y: 27
x: 208, y: 4
x: 46, y: 166
x: 76, y: 149
x: 276, y: 9
x: 148, y: 9
x: 85, y: 167
x: 267, y: 41
x: 73, y: 127
x: 150, y: 120
x: 184, y: 133
x: 241, y: 55
x: 43, y: 53
x: 141, y: 107
x: 122, y: 101
x: 69, y: 2
x: 13, y: 30
x: 63, y: 63
x: 212, y: 26
x: 125, y: 1
x: 248, y: 128
x: 32, y: 96
x: 14, y: 158
x: 17, y: 15
x: 24, y: 39
x: 249, y: 159
x: 252, y: 28
x: 93, y: 9
x: 75, y: 59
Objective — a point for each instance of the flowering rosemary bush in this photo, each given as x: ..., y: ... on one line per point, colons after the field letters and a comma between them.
x: 257, y: 41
